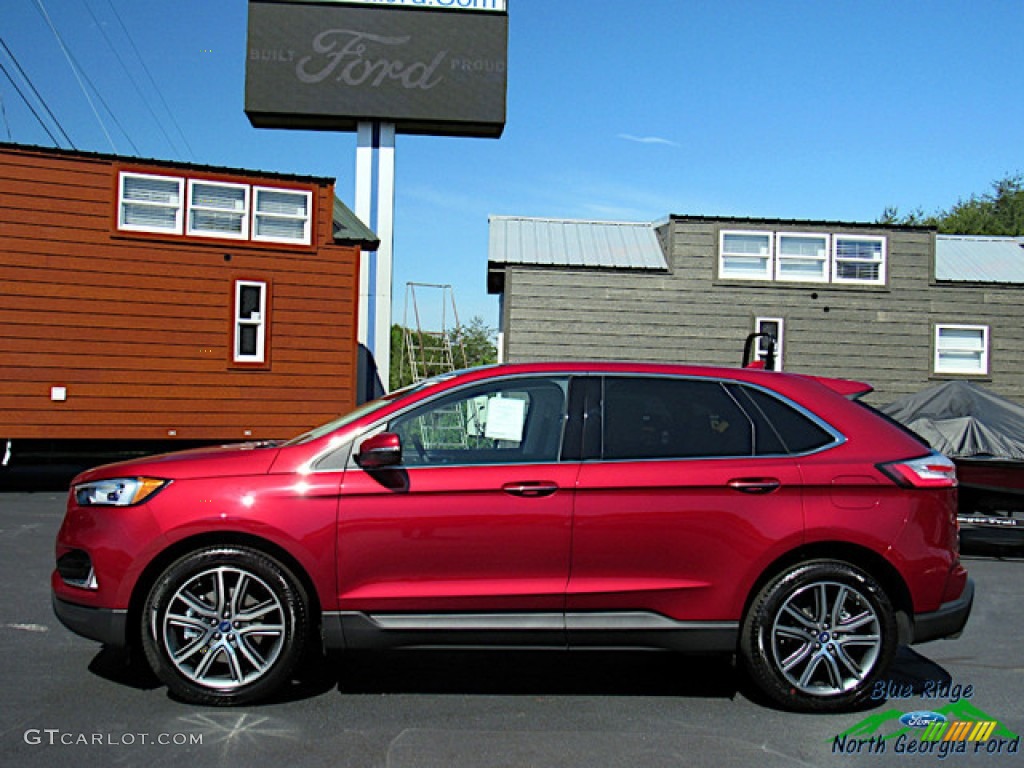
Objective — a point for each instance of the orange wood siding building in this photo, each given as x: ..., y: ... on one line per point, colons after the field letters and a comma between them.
x: 143, y: 300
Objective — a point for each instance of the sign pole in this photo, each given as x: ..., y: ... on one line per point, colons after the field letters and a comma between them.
x: 381, y: 67
x: 375, y: 207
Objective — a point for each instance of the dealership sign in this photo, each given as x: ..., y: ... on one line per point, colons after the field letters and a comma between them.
x: 454, y: 5
x: 428, y: 66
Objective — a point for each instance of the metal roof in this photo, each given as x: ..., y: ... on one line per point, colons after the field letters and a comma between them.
x: 184, y: 166
x: 348, y: 228
x: 570, y: 243
x: 979, y: 259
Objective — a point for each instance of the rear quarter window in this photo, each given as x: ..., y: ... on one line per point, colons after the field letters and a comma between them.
x: 782, y: 427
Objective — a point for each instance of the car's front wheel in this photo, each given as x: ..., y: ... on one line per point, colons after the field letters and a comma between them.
x: 819, y: 636
x: 224, y: 625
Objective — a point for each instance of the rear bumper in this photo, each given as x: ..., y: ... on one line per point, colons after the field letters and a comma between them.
x: 104, y: 625
x: 948, y: 621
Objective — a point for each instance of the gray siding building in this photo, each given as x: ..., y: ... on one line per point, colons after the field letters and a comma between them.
x: 899, y: 307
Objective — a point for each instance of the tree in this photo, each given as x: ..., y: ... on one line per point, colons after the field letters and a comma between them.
x: 999, y: 212
x: 476, y: 338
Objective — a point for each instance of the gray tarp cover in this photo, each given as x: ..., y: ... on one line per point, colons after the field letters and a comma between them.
x: 962, y: 419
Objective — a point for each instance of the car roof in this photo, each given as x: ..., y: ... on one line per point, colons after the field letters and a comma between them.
x: 770, y: 379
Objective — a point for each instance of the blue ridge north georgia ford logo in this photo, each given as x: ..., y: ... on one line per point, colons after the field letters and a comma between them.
x: 956, y: 728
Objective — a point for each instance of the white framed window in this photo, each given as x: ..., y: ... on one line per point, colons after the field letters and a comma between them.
x: 218, y: 209
x: 149, y: 203
x: 250, y: 342
x: 773, y: 326
x: 801, y: 257
x: 858, y: 259
x: 281, y: 215
x: 745, y: 255
x: 205, y: 208
x: 962, y: 349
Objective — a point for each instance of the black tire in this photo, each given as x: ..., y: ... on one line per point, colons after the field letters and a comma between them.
x: 792, y: 650
x: 225, y: 625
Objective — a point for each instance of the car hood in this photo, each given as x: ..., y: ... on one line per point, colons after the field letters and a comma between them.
x: 223, y: 460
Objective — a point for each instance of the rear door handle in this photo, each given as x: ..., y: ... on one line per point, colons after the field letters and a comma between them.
x: 530, y: 490
x: 755, y: 485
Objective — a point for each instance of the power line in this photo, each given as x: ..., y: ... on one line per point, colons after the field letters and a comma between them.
x: 30, y: 107
x: 38, y: 96
x: 3, y: 114
x: 74, y: 70
x: 149, y: 74
x: 135, y: 84
x: 103, y: 101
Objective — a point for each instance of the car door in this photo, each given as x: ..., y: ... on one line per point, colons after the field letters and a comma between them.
x: 674, y: 512
x: 477, y: 517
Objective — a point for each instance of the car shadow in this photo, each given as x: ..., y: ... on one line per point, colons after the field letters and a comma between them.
x: 491, y: 672
x: 916, y: 674
x: 121, y: 666
x: 570, y: 673
x: 533, y: 673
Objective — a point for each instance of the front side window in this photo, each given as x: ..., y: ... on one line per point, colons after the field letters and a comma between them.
x: 505, y: 422
x: 858, y: 259
x: 746, y: 255
x: 660, y: 418
x: 250, y: 343
x: 150, y: 203
x: 962, y: 349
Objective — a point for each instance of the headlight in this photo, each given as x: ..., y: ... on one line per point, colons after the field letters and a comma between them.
x: 120, y: 492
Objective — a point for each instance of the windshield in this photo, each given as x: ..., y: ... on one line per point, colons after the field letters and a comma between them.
x: 363, y: 410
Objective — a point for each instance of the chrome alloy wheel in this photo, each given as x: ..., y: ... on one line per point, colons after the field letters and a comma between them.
x: 223, y: 628
x: 826, y: 638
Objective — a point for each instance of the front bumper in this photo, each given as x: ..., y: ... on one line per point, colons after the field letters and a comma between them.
x: 105, y: 625
x: 948, y: 621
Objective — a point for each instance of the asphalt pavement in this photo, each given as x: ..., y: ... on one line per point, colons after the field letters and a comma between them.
x: 68, y: 701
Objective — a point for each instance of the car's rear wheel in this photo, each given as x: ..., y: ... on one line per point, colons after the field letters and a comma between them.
x: 819, y: 636
x: 224, y: 625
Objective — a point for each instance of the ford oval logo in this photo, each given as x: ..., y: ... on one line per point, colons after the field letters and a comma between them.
x: 922, y: 719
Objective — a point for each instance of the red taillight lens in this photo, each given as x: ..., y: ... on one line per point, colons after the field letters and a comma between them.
x: 931, y: 471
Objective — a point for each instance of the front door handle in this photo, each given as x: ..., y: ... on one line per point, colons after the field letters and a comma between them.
x: 530, y: 490
x: 755, y: 485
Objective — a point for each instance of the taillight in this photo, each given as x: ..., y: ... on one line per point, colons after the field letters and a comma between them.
x: 931, y: 471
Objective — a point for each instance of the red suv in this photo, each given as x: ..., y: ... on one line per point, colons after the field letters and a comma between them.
x: 546, y: 505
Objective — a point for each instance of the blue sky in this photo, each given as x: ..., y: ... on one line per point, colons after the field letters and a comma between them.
x: 827, y: 110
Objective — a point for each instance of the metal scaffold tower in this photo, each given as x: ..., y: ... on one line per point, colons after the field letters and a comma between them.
x: 429, y: 353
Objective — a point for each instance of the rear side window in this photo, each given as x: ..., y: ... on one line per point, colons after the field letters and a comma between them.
x: 654, y: 418
x: 782, y: 428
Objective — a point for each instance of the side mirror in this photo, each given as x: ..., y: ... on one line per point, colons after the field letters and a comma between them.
x: 379, y: 451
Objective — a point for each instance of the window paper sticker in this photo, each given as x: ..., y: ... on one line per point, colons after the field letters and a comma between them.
x: 505, y: 419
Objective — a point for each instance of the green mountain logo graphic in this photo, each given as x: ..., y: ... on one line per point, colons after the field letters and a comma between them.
x: 960, y: 710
